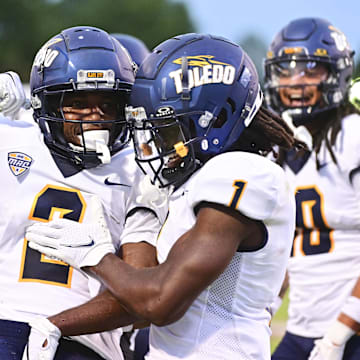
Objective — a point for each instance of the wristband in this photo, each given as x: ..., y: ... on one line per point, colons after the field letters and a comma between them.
x: 339, y: 333
x: 351, y: 308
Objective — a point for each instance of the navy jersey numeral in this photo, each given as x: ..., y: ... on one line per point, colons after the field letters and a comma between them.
x: 239, y: 186
x: 313, y: 234
x: 35, y: 267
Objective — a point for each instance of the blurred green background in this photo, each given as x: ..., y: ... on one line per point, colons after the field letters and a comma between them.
x: 25, y: 25
x: 278, y: 323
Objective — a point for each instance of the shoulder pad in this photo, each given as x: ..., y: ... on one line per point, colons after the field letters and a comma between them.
x: 246, y: 182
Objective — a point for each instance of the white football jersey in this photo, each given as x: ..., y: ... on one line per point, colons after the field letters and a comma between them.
x: 325, y: 259
x: 34, y: 189
x: 229, y: 319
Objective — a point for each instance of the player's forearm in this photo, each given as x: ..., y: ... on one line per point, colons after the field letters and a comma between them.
x: 159, y: 294
x: 350, y: 313
x: 163, y: 293
x: 102, y: 313
x: 135, y: 288
x: 284, y: 286
x: 350, y: 322
x: 105, y: 312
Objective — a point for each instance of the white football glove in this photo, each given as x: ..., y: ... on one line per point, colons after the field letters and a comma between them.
x: 77, y: 244
x: 12, y: 95
x: 42, y: 330
x: 332, y: 345
x: 325, y: 349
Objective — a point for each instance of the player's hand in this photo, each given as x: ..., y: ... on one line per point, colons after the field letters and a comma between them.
x: 12, y: 95
x: 43, y: 340
x: 77, y: 244
x: 275, y: 305
x: 332, y: 345
x: 325, y: 349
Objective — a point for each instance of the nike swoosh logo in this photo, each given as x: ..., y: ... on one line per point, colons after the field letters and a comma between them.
x: 107, y: 182
x: 77, y: 246
x: 323, y: 165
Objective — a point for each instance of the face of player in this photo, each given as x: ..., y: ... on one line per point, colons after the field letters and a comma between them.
x: 167, y: 137
x: 299, y: 82
x: 88, y: 106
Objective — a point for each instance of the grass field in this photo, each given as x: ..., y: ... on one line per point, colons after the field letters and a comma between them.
x: 278, y: 323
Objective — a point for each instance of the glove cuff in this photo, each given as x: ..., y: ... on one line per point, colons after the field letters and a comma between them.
x: 96, y: 254
x: 339, y: 333
x: 46, y: 327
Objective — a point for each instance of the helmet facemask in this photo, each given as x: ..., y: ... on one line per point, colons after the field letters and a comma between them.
x: 164, y: 146
x: 309, y: 44
x: 82, y: 61
x: 88, y: 134
x: 198, y: 99
x: 301, y: 88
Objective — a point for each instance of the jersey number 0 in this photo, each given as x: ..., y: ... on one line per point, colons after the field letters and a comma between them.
x: 313, y: 234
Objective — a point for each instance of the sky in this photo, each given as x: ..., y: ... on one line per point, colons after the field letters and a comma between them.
x: 234, y: 19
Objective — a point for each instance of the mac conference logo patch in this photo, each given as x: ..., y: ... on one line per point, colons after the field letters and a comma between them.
x: 19, y: 162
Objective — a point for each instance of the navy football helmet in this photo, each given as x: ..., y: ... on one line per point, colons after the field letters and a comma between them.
x: 192, y: 98
x: 78, y: 61
x: 136, y: 47
x: 303, y: 48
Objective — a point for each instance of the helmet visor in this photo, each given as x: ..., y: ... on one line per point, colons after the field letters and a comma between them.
x: 298, y: 71
x: 299, y: 83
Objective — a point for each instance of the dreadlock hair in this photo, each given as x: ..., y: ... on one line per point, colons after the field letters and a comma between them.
x: 327, y: 133
x: 332, y: 126
x: 266, y: 131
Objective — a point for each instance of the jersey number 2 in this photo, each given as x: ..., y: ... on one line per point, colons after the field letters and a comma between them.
x: 36, y: 267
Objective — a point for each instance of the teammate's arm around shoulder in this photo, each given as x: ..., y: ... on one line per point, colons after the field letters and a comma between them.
x: 162, y: 294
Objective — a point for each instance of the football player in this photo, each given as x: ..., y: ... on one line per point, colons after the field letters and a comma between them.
x: 308, y: 74
x: 138, y: 52
x: 200, y: 129
x: 58, y: 168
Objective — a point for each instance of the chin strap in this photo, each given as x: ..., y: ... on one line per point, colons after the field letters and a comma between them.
x: 152, y: 195
x: 301, y: 133
x: 97, y: 140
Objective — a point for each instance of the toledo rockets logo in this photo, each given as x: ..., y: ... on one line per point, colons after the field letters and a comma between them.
x: 19, y: 162
x: 203, y: 69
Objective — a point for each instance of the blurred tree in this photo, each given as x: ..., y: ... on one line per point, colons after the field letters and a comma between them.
x: 357, y: 67
x: 26, y: 25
